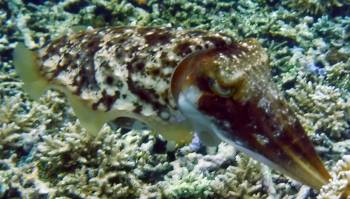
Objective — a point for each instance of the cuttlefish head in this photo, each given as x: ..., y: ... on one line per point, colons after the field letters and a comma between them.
x: 228, y: 91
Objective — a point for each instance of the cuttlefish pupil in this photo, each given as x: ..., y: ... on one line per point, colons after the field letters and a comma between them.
x: 176, y: 82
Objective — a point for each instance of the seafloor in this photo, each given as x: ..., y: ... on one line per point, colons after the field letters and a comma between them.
x: 44, y: 152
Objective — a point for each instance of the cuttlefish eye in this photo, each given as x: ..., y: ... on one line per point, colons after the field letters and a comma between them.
x: 221, y: 90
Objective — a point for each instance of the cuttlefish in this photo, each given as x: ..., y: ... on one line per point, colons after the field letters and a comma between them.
x: 176, y: 82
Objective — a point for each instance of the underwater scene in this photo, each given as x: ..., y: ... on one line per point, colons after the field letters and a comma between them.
x: 240, y: 99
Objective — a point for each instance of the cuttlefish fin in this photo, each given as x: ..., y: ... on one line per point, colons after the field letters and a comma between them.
x: 27, y: 67
x: 90, y: 119
x: 179, y: 132
x: 93, y: 120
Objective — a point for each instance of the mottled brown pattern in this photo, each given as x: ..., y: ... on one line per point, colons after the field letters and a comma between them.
x: 217, y: 41
x: 158, y: 38
x: 148, y: 55
x: 106, y: 100
x: 222, y: 87
x: 183, y: 48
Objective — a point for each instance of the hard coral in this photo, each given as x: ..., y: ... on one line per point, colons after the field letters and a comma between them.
x: 120, y: 165
x: 316, y: 7
x: 241, y: 181
x: 21, y: 182
x: 126, y: 165
x: 320, y: 108
x: 339, y: 186
x: 221, y: 175
x: 112, y: 165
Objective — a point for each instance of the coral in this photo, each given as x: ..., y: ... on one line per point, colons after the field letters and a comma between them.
x: 221, y: 175
x: 312, y: 69
x: 21, y: 182
x: 117, y: 165
x: 6, y: 32
x: 44, y: 152
x: 336, y: 56
x: 339, y: 185
x: 12, y: 124
x: 317, y: 7
x: 242, y: 181
x: 21, y: 122
x: 69, y: 16
x: 186, y: 184
x: 320, y: 108
x: 237, y: 18
x: 112, y: 165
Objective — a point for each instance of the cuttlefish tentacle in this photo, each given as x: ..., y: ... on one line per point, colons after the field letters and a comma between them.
x: 246, y: 110
x: 176, y: 82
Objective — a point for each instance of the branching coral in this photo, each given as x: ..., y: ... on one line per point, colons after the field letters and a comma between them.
x: 21, y: 122
x: 236, y: 18
x: 313, y: 73
x: 41, y: 25
x: 221, y: 175
x: 316, y: 7
x: 14, y: 121
x: 117, y: 165
x: 186, y: 184
x: 336, y: 56
x: 241, y: 181
x: 339, y: 186
x: 45, y: 153
x: 21, y: 182
x: 320, y: 108
x: 112, y: 165
x: 6, y: 33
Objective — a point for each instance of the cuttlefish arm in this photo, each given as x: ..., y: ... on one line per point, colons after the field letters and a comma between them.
x: 228, y: 91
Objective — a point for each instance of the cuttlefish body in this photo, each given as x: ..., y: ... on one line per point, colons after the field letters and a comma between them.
x: 176, y: 82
